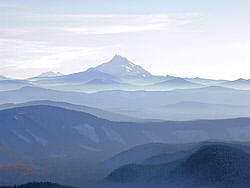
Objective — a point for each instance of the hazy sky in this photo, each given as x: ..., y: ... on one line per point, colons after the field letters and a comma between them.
x: 205, y: 38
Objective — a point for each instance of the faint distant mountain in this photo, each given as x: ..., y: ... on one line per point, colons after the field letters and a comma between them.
x: 86, y: 76
x: 3, y: 78
x: 204, y: 81
x: 94, y: 111
x: 214, y: 165
x: 6, y: 84
x: 211, y: 89
x: 122, y: 67
x: 198, y: 110
x: 191, y: 105
x: 239, y: 81
x: 50, y: 74
x: 177, y: 83
x: 237, y: 84
x: 78, y: 81
x: 46, y: 76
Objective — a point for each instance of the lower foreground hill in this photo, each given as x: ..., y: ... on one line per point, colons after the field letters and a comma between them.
x: 212, y: 166
x: 43, y: 143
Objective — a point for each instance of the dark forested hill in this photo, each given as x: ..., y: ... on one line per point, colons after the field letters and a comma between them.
x: 37, y: 185
x: 211, y: 166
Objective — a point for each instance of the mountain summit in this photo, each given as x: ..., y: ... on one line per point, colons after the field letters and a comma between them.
x: 122, y: 67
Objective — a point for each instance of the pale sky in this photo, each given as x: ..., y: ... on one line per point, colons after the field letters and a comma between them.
x: 188, y: 38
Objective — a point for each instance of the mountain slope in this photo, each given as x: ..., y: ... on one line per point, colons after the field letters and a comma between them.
x: 237, y: 84
x: 177, y: 83
x: 122, y: 67
x: 88, y: 75
x: 80, y: 77
x: 45, y: 130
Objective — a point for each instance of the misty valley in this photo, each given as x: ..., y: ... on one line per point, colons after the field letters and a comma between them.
x: 124, y: 94
x: 138, y: 131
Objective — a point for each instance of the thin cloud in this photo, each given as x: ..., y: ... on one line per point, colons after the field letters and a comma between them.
x: 70, y: 43
x: 116, y: 29
x: 24, y: 56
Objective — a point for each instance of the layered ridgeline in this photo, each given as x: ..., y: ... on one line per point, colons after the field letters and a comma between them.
x: 7, y: 84
x: 186, y: 104
x: 117, y: 74
x: 48, y: 143
x: 206, y: 166
x: 82, y: 108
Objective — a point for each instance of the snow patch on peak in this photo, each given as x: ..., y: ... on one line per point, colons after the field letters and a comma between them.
x: 122, y: 67
x: 127, y: 68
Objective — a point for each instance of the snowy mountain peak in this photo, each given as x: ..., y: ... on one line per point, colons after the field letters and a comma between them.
x: 122, y: 67
x: 241, y: 80
x: 119, y: 59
